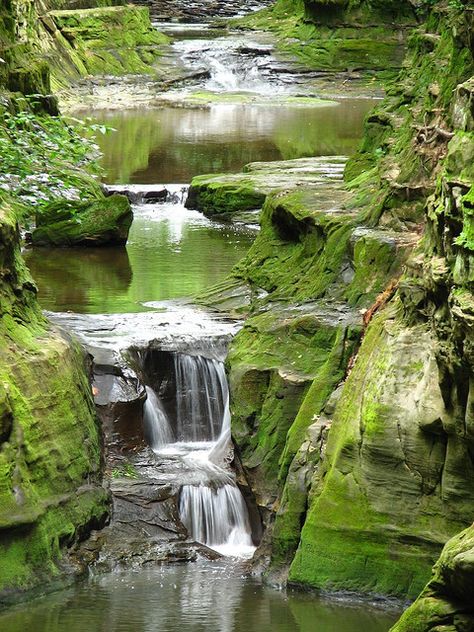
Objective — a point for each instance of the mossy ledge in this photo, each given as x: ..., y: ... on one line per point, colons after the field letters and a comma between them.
x: 360, y: 39
x: 51, y: 493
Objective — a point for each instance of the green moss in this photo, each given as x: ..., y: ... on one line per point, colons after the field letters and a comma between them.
x: 111, y: 40
x: 105, y: 221
x: 332, y: 37
x: 50, y: 444
x: 446, y: 600
x: 466, y: 238
x: 338, y: 344
x: 66, y: 45
x: 375, y: 522
x: 212, y: 196
x: 300, y: 249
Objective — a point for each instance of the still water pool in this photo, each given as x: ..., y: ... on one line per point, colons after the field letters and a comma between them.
x: 200, y: 597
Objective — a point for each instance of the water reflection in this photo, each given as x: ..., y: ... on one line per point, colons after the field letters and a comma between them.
x: 175, y: 144
x: 172, y: 253
x: 203, y: 597
x: 71, y: 278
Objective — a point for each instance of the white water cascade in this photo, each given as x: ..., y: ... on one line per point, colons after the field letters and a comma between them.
x: 211, y: 505
x: 201, y: 398
x: 157, y: 427
x: 228, y: 69
x: 217, y: 517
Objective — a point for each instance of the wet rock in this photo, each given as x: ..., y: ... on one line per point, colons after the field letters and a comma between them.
x: 119, y: 400
x: 201, y: 10
x: 148, y: 193
x: 93, y: 223
x: 230, y: 194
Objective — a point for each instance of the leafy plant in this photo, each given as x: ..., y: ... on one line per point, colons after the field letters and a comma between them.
x: 126, y: 470
x: 44, y: 157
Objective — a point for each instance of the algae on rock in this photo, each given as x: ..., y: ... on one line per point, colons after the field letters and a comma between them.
x: 380, y: 476
x: 93, y: 223
x: 51, y: 493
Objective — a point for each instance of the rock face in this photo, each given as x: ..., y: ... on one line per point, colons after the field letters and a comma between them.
x: 334, y: 36
x: 45, y: 48
x: 364, y: 469
x: 51, y: 494
x: 446, y: 602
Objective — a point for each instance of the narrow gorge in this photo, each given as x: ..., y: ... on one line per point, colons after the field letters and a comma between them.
x: 236, y: 315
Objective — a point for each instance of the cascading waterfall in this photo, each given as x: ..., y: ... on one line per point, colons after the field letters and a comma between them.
x: 216, y: 517
x: 201, y: 398
x: 157, y: 427
x: 212, y: 508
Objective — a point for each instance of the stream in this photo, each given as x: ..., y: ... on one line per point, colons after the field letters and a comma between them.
x: 239, y: 105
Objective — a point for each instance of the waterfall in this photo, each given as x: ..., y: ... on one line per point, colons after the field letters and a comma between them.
x: 211, y: 505
x: 231, y: 64
x: 201, y: 398
x: 217, y: 518
x: 157, y: 427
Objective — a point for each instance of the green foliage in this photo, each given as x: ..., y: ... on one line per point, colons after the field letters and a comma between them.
x: 43, y: 157
x: 126, y: 470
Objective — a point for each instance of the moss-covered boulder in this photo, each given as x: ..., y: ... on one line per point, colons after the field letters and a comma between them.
x: 446, y: 602
x: 51, y: 494
x: 98, y: 222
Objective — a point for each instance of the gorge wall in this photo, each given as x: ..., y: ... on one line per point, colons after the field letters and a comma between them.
x: 51, y: 453
x: 364, y: 469
x: 351, y: 380
x: 51, y: 492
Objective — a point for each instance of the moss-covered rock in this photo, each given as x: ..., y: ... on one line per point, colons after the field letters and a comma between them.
x: 446, y: 602
x: 44, y: 50
x: 234, y: 193
x: 337, y: 36
x: 50, y: 447
x: 274, y: 361
x: 395, y: 483
x: 382, y: 478
x: 109, y: 40
x: 99, y: 222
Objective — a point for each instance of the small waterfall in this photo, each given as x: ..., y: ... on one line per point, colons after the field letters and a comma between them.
x: 211, y: 505
x: 217, y: 518
x: 201, y: 398
x: 232, y: 64
x: 229, y: 76
x: 157, y: 427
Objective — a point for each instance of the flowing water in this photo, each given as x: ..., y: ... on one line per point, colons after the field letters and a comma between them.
x: 192, y: 423
x: 264, y: 113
